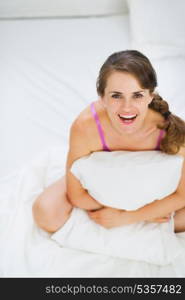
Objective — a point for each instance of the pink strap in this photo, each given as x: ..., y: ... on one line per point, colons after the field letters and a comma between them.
x: 100, y: 130
x: 159, y: 139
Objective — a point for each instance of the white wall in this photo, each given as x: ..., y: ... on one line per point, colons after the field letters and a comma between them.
x: 57, y: 8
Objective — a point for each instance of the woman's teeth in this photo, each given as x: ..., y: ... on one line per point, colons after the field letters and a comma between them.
x: 130, y: 117
x: 127, y: 119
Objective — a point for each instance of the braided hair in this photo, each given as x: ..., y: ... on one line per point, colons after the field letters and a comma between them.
x: 174, y: 126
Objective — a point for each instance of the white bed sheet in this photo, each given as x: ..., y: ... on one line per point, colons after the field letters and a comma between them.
x: 48, y: 71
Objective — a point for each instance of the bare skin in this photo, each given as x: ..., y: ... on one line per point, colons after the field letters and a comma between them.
x: 53, y: 207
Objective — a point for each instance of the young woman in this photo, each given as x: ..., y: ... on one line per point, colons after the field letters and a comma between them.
x: 128, y: 115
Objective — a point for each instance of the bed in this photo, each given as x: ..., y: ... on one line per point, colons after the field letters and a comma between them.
x: 50, y: 55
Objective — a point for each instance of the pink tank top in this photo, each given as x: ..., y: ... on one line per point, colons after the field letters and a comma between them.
x: 100, y: 130
x: 101, y: 134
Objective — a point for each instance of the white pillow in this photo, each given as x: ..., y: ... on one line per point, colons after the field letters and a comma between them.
x: 128, y: 179
x: 58, y: 8
x: 158, y: 27
x: 125, y: 180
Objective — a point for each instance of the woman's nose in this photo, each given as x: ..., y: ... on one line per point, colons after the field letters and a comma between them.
x: 126, y: 105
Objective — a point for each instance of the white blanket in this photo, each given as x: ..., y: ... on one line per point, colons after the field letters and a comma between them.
x: 27, y: 251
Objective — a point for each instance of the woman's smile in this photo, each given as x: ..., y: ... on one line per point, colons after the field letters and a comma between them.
x: 127, y: 119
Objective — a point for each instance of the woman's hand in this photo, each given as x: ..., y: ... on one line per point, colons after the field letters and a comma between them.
x: 111, y: 217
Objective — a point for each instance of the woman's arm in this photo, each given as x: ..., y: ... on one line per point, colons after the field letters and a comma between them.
x: 78, y: 196
x: 158, y: 208
x: 78, y: 147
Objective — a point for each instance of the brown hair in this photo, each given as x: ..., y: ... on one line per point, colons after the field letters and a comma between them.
x: 137, y: 64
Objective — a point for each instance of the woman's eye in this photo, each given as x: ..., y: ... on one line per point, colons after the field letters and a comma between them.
x: 116, y: 96
x: 138, y: 96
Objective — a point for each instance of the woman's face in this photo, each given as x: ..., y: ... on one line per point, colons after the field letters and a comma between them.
x: 126, y: 102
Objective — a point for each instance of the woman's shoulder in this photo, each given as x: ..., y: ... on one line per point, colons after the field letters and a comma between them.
x: 85, y: 126
x: 85, y: 119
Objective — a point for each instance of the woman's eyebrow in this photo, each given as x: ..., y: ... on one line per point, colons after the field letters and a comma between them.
x: 115, y: 92
x: 142, y: 91
x: 122, y: 93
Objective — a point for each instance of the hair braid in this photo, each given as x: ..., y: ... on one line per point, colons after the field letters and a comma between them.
x: 174, y: 126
